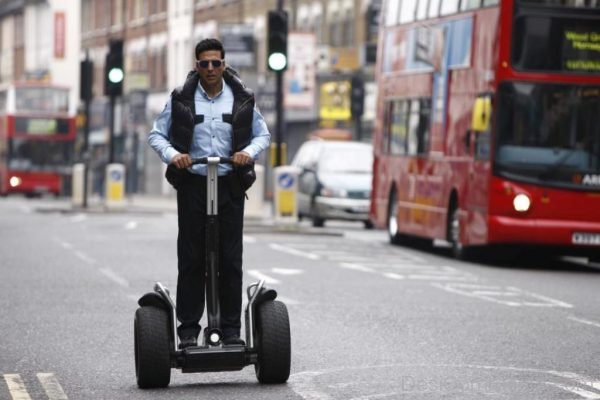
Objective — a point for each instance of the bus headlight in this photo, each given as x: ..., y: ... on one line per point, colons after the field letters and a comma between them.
x: 521, y: 202
x: 15, y: 181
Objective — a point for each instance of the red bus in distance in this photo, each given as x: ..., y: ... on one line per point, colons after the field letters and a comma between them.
x: 488, y: 124
x: 37, y: 133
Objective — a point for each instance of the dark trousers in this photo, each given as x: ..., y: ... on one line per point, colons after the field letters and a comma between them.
x: 191, y: 253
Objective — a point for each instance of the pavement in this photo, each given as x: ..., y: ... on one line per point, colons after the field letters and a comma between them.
x: 258, y: 217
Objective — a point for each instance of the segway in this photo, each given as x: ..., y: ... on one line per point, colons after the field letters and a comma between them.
x: 267, y: 324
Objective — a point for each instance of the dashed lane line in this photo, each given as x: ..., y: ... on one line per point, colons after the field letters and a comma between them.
x: 356, y: 267
x: 295, y: 252
x: 248, y: 239
x: 508, y: 296
x: 113, y: 276
x: 584, y: 321
x: 131, y: 225
x: 50, y: 384
x: 16, y: 387
x: 18, y: 391
x: 259, y: 275
x: 84, y: 257
x: 287, y: 271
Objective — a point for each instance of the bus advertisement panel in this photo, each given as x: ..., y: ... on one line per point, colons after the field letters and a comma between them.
x: 487, y: 129
x: 36, y: 138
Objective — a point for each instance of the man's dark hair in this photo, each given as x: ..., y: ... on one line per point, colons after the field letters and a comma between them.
x: 209, y: 44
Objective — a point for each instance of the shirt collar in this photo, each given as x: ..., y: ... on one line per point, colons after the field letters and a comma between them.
x: 206, y: 94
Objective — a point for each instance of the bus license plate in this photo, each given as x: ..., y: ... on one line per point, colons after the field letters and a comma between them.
x: 588, y: 239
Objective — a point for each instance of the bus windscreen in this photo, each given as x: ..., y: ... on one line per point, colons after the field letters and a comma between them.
x: 549, y: 133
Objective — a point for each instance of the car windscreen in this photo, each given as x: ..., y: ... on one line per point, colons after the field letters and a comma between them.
x: 348, y: 159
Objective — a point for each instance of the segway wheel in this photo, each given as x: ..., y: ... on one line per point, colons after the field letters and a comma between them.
x: 151, y: 340
x: 273, y: 343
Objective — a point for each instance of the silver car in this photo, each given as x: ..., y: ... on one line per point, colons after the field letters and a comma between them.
x: 334, y: 181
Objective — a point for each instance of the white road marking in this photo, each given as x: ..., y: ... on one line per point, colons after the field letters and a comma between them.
x: 328, y: 252
x: 16, y: 387
x: 293, y: 251
x: 65, y: 245
x: 443, y: 273
x: 50, y: 384
x: 249, y: 239
x: 78, y: 217
x: 347, y: 257
x: 113, y: 276
x: 498, y: 294
x: 356, y: 267
x: 287, y: 300
x: 133, y: 297
x: 131, y: 225
x: 259, y: 275
x: 287, y: 271
x: 302, y: 245
x: 378, y: 396
x: 304, y: 385
x: 585, y: 321
x: 578, y: 391
x: 393, y: 275
x: 84, y: 257
x: 25, y: 209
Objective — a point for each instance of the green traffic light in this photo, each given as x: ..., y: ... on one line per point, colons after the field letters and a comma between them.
x: 277, y: 61
x: 116, y: 75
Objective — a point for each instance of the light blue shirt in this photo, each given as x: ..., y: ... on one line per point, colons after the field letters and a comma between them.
x: 212, y: 138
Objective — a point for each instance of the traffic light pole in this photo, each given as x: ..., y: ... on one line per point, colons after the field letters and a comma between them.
x: 86, y: 150
x: 111, y: 131
x: 86, y: 77
x: 279, y: 120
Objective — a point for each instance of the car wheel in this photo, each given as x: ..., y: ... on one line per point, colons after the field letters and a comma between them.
x: 317, y: 222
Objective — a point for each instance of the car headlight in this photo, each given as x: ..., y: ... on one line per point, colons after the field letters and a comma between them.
x: 521, y: 202
x: 330, y: 192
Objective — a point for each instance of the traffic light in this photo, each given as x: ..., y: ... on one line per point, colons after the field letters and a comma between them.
x: 277, y: 40
x: 113, y: 69
x: 357, y: 96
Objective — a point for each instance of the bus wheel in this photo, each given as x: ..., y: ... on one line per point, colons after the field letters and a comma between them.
x: 392, y: 224
x: 459, y: 251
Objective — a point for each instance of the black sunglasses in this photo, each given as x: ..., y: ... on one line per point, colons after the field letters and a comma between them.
x: 204, y: 63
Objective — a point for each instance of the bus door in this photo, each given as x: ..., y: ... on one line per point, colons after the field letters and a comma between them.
x: 477, y: 141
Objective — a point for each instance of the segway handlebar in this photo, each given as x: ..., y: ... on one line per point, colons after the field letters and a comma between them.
x: 205, y: 160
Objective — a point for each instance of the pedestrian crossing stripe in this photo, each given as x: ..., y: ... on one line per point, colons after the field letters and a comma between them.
x: 18, y: 391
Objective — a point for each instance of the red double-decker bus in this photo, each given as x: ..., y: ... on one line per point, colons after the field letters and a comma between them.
x: 488, y: 126
x: 37, y: 132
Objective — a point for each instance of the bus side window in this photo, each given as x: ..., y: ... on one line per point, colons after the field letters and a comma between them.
x: 3, y: 101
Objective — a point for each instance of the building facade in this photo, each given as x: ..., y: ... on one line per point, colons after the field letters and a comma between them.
x: 330, y: 42
x: 40, y: 40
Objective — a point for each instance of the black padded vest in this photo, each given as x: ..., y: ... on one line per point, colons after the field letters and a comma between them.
x: 183, y: 112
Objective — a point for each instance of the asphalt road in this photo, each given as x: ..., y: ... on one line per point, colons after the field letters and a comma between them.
x: 368, y: 320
